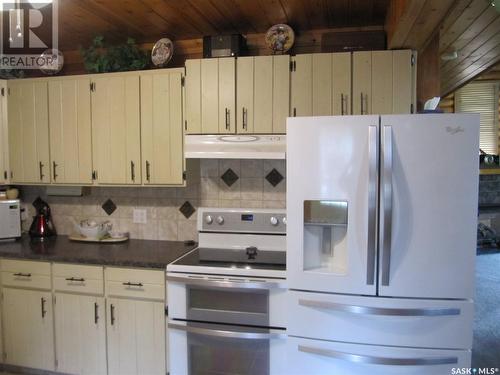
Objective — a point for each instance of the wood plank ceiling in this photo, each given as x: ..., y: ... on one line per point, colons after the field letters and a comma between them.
x: 148, y: 20
x: 472, y: 29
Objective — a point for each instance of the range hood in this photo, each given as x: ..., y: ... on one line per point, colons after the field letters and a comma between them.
x: 235, y: 146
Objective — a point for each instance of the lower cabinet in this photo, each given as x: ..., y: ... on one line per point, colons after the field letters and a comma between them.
x: 136, y: 336
x: 28, y: 328
x: 80, y: 323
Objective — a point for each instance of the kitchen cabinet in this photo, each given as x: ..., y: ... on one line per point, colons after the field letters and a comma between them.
x: 162, y: 128
x: 28, y: 328
x: 321, y: 84
x: 263, y: 92
x: 4, y: 141
x: 70, y: 130
x: 136, y: 321
x: 116, y: 129
x: 211, y: 96
x: 80, y: 328
x: 383, y: 82
x: 28, y: 126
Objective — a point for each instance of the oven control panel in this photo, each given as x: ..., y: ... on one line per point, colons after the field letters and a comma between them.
x: 242, y: 220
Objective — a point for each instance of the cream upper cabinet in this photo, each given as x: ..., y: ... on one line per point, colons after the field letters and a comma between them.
x: 211, y: 96
x: 4, y: 134
x: 263, y: 92
x: 136, y: 337
x: 28, y: 125
x: 162, y: 128
x: 70, y: 130
x: 116, y: 129
x: 321, y: 84
x: 80, y: 326
x: 383, y: 82
x: 28, y: 328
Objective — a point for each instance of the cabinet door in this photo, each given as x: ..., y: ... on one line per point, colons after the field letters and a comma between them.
x: 4, y: 142
x: 161, y: 129
x: 341, y: 78
x: 193, y: 97
x: 382, y: 94
x: 29, y: 131
x: 70, y: 131
x: 116, y: 130
x: 80, y: 334
x: 210, y: 96
x: 322, y: 83
x: 136, y: 337
x: 263, y: 95
x: 302, y: 89
x: 245, y: 94
x: 361, y: 82
x: 403, y: 82
x: 227, y: 95
x: 281, y: 93
x: 28, y: 328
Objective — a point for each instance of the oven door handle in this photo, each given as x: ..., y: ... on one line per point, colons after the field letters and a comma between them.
x: 224, y: 283
x: 272, y: 334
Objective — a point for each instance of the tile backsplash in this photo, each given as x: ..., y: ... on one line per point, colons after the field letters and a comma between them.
x: 489, y: 189
x: 166, y: 220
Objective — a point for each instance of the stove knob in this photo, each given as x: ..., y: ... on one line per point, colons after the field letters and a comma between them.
x: 284, y: 220
x: 274, y: 221
x: 220, y: 220
x: 208, y: 219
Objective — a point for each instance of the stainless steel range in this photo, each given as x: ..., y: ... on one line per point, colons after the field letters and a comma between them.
x: 227, y: 297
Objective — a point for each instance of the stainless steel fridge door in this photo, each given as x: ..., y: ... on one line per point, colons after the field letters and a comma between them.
x: 332, y: 183
x: 429, y: 177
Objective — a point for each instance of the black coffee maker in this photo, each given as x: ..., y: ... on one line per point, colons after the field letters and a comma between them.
x: 42, y: 226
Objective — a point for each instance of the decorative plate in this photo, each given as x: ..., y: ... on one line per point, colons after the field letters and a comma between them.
x: 162, y: 52
x: 280, y: 38
x: 54, y: 61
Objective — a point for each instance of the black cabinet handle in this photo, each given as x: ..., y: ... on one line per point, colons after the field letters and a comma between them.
x: 96, y: 312
x: 148, y: 172
x: 43, y: 307
x: 245, y: 118
x: 295, y: 112
x: 132, y: 284
x: 54, y: 167
x: 40, y: 165
x: 112, y: 313
x: 79, y: 279
x: 132, y: 170
x: 20, y: 274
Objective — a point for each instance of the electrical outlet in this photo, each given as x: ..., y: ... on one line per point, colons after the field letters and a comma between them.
x: 140, y: 216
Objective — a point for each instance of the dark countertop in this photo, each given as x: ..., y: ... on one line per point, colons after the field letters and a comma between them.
x: 133, y: 253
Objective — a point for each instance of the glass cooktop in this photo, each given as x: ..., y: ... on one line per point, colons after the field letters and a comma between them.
x: 250, y: 258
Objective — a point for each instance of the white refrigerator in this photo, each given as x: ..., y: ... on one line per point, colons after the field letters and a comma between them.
x: 381, y: 237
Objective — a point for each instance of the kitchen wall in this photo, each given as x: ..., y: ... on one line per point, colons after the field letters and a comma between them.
x: 214, y: 183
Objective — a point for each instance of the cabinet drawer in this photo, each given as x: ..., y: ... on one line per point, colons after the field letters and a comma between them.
x: 25, y: 266
x: 78, y: 285
x: 382, y: 321
x: 26, y: 280
x: 78, y: 271
x: 123, y: 282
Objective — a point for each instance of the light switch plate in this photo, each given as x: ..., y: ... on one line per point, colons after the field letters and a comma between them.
x: 140, y: 216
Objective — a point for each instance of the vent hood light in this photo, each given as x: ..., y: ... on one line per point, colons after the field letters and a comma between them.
x: 235, y: 146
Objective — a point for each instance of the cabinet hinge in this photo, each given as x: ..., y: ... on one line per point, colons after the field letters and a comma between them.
x: 3, y: 91
x: 184, y: 175
x: 5, y: 175
x: 183, y: 81
x: 185, y: 124
x: 92, y: 86
x: 412, y: 59
x: 411, y: 108
x: 291, y: 66
x: 94, y: 175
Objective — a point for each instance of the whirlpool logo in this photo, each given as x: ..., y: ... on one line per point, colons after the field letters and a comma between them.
x: 474, y: 371
x: 454, y: 129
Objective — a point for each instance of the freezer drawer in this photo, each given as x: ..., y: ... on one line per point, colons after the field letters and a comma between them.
x: 381, y: 321
x: 306, y: 356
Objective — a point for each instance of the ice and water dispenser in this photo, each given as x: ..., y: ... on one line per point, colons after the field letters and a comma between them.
x: 325, y: 236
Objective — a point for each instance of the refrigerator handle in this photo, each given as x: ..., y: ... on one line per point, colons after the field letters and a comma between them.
x: 373, y: 151
x: 387, y: 203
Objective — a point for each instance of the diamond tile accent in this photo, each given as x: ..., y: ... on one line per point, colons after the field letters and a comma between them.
x: 109, y: 206
x: 274, y: 177
x: 38, y: 203
x: 187, y: 209
x: 229, y: 177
